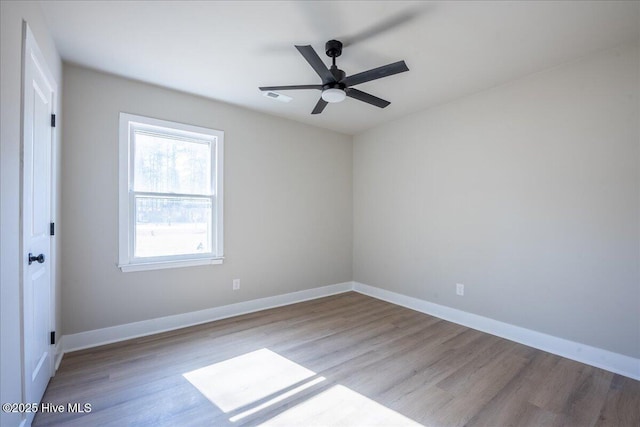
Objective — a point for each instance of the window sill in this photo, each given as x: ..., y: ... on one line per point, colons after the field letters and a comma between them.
x: 126, y: 268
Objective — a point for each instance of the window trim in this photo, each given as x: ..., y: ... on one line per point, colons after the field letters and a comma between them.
x: 126, y: 211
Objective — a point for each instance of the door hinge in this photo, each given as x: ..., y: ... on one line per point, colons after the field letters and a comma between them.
x: 53, y: 337
x: 53, y: 120
x: 52, y: 229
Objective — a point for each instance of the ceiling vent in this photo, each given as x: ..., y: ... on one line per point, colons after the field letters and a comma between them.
x: 277, y: 96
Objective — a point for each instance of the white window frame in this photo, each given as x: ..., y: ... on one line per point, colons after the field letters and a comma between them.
x: 126, y: 210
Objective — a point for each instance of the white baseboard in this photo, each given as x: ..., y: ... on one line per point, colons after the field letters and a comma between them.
x: 59, y: 352
x: 604, y: 359
x: 127, y: 331
x: 600, y: 358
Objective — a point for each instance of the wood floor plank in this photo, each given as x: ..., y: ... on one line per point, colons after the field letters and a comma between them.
x: 563, y: 379
x: 346, y: 359
x: 622, y: 404
x: 511, y: 406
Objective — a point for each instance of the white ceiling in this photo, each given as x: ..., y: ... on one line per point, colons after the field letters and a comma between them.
x: 225, y: 50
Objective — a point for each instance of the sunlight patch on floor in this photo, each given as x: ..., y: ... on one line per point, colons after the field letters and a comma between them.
x: 340, y: 406
x: 245, y: 379
x: 256, y: 382
x: 277, y: 399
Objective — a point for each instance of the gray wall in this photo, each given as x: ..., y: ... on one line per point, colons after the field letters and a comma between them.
x: 12, y: 15
x: 288, y: 206
x: 527, y: 193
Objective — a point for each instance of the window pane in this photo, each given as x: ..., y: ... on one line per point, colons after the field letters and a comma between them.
x: 172, y: 226
x: 168, y: 165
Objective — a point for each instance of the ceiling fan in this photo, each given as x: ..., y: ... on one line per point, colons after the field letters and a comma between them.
x: 336, y: 85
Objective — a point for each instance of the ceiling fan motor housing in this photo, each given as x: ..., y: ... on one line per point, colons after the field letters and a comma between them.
x: 339, y: 75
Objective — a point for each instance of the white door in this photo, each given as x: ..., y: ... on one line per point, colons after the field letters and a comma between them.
x: 39, y: 92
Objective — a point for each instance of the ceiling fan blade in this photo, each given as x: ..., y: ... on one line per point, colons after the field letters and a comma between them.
x: 316, y: 63
x: 376, y: 73
x: 265, y: 88
x: 383, y: 26
x: 319, y: 106
x: 365, y: 97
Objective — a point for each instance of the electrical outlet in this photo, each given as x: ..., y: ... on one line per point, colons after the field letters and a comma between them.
x: 236, y: 284
x: 460, y: 289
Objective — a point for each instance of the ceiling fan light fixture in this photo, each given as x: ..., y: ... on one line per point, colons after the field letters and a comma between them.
x: 333, y: 95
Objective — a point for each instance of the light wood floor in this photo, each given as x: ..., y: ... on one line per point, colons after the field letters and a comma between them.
x: 342, y: 360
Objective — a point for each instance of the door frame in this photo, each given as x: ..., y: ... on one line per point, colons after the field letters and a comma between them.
x: 30, y: 45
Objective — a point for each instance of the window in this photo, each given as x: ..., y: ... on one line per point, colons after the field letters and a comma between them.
x: 170, y: 194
